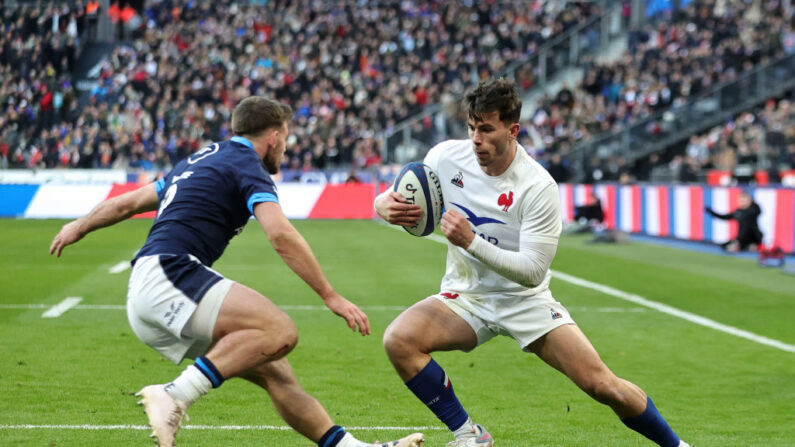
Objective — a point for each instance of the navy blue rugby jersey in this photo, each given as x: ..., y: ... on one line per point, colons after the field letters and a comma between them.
x: 207, y: 199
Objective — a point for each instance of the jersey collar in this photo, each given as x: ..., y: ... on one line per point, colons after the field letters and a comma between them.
x: 243, y: 141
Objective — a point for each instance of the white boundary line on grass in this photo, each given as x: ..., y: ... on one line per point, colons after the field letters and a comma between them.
x: 670, y: 310
x: 664, y: 308
x: 120, y: 267
x: 197, y: 427
x: 59, y: 309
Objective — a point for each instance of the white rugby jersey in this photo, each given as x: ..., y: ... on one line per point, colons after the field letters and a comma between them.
x: 521, y: 203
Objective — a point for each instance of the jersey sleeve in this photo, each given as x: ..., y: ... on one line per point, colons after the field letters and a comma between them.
x: 160, y: 185
x: 541, y: 222
x: 256, y: 186
x: 538, y: 241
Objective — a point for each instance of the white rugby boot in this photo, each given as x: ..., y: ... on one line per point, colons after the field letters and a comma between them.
x: 481, y: 438
x: 164, y: 413
x: 412, y: 440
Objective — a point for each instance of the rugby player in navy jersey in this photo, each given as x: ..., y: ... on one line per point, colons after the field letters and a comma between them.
x: 182, y: 308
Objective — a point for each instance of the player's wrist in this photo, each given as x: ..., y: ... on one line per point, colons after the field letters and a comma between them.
x: 473, y: 245
x: 81, y: 227
x: 327, y: 294
x: 379, y: 205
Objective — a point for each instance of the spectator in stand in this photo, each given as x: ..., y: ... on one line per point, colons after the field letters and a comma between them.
x: 93, y: 10
x: 557, y: 169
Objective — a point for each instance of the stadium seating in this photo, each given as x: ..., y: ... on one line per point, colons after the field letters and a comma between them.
x: 349, y: 70
x: 668, y: 61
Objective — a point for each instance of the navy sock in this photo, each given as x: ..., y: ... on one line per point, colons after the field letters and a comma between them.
x: 208, y: 369
x: 332, y: 437
x: 652, y: 425
x: 434, y: 389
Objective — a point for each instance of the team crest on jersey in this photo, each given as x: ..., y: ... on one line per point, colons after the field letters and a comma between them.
x: 555, y: 315
x: 458, y: 180
x: 505, y: 200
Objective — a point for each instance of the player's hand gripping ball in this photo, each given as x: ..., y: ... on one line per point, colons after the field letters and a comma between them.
x: 420, y: 186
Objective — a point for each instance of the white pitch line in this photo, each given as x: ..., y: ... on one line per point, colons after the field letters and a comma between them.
x: 24, y: 306
x: 58, y: 310
x: 664, y: 308
x: 197, y: 427
x: 120, y: 267
x: 670, y: 310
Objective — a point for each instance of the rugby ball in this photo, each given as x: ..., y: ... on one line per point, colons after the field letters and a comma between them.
x: 420, y: 186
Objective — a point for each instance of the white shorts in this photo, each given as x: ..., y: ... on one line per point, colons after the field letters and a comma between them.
x: 523, y: 318
x: 162, y: 304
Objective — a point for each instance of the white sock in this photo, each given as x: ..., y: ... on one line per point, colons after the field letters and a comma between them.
x: 465, y: 431
x: 683, y: 444
x: 349, y: 441
x: 189, y: 386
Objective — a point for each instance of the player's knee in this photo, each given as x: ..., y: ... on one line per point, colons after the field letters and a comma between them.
x: 284, y: 340
x: 602, y: 389
x: 398, y: 343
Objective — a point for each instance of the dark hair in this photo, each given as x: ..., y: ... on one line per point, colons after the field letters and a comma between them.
x: 495, y: 95
x: 255, y: 114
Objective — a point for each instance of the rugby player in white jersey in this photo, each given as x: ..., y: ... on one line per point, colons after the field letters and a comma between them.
x: 182, y: 308
x: 502, y: 223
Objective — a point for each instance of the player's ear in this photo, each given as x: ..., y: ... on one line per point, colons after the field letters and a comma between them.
x: 273, y: 137
x: 514, y: 129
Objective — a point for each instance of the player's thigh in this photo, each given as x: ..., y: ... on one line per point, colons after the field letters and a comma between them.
x: 568, y: 350
x: 245, y: 308
x: 430, y: 325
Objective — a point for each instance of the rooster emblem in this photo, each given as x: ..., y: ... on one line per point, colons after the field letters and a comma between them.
x: 505, y: 201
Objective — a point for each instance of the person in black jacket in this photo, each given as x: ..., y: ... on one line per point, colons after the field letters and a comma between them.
x: 590, y: 212
x: 746, y: 215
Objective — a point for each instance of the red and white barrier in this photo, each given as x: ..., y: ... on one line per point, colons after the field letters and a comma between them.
x: 678, y: 211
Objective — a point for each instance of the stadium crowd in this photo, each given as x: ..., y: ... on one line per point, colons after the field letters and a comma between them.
x: 763, y: 137
x: 39, y: 47
x: 353, y: 70
x: 349, y: 70
x: 669, y: 59
x: 737, y: 145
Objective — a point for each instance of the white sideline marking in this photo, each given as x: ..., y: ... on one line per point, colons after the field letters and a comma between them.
x: 197, y: 427
x: 120, y: 267
x: 310, y: 307
x: 24, y: 306
x: 58, y: 310
x: 664, y: 308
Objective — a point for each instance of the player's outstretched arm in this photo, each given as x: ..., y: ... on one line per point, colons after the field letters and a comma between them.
x: 107, y: 213
x: 393, y: 208
x: 718, y: 215
x: 297, y: 254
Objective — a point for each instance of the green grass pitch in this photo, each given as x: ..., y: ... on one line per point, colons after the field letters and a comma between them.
x: 81, y: 368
